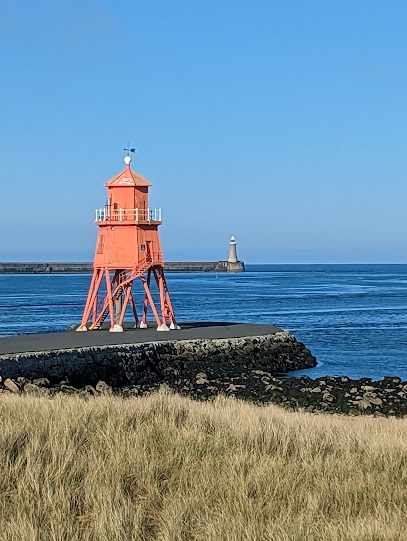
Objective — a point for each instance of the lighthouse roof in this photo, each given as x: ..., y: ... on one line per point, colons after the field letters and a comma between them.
x: 128, y: 178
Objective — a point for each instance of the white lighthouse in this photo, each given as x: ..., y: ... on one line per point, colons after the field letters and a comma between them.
x: 233, y: 264
x: 232, y: 251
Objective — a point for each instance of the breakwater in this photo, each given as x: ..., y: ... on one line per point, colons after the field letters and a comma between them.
x: 87, y: 267
x: 247, y: 370
x: 151, y: 363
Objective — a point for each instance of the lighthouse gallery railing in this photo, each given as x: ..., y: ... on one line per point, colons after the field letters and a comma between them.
x: 120, y: 215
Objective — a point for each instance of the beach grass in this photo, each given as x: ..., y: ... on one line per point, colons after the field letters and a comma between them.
x: 164, y: 467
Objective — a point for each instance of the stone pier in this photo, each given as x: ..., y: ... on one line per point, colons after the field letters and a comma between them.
x: 142, y: 356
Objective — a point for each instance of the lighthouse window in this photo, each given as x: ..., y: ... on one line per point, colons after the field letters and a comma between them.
x: 100, y: 245
x: 143, y: 246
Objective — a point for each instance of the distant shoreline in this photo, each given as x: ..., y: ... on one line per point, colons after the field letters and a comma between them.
x: 75, y: 267
x: 87, y: 267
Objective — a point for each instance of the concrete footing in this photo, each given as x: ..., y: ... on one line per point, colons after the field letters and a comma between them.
x: 116, y: 328
x: 82, y: 328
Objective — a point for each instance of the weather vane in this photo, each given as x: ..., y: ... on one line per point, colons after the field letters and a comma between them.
x: 128, y: 149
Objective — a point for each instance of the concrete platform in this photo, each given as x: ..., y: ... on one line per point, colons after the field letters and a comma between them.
x: 71, y: 339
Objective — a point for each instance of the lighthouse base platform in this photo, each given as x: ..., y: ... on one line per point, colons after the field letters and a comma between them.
x: 143, y: 356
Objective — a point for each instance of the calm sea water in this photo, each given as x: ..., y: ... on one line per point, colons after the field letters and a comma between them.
x: 352, y: 317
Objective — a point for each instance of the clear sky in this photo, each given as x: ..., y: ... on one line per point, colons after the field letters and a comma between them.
x: 280, y: 122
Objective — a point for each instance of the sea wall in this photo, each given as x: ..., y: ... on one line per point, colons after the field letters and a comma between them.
x: 250, y: 368
x: 155, y: 362
x: 87, y: 267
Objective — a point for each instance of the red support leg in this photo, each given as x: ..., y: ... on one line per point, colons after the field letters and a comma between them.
x: 169, y: 304
x: 143, y: 324
x: 109, y: 296
x: 133, y: 307
x: 126, y: 300
x: 150, y: 300
x: 160, y: 285
x: 94, y: 310
x: 92, y: 285
x: 93, y: 290
x: 88, y: 300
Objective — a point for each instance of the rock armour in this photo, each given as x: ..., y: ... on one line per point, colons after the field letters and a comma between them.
x: 156, y: 362
x: 244, y: 368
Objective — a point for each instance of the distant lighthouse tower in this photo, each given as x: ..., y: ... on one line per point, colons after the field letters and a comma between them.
x: 232, y: 251
x: 233, y: 264
x: 128, y: 247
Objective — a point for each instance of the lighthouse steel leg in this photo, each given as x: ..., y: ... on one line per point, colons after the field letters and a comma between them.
x: 91, y: 296
x: 126, y: 300
x: 160, y: 285
x: 159, y: 281
x: 94, y: 310
x: 109, y: 296
x: 92, y: 284
x: 150, y: 299
x: 167, y: 298
x: 133, y: 307
x: 143, y: 324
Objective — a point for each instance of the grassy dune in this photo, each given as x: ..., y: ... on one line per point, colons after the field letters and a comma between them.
x: 167, y: 468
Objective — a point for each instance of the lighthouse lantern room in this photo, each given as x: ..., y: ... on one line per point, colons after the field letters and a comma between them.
x: 127, y: 248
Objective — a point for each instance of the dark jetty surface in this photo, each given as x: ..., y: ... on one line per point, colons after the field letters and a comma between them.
x: 196, y: 330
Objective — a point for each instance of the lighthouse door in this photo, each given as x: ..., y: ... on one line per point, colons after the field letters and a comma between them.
x: 149, y: 254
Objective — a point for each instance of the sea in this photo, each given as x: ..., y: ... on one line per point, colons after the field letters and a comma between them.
x: 353, y: 318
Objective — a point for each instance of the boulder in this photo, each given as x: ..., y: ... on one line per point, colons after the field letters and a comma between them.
x: 11, y: 386
x: 201, y: 378
x: 103, y: 388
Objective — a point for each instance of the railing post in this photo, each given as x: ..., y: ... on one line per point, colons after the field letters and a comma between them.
x: 146, y: 214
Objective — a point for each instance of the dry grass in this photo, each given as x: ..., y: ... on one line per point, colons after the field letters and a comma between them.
x: 167, y: 468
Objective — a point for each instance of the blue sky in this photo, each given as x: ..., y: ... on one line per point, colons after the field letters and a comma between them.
x: 280, y: 122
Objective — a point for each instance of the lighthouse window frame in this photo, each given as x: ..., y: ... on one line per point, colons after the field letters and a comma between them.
x: 101, y: 245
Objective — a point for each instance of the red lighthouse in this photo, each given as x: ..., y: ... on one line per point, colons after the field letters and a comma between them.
x: 128, y: 247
